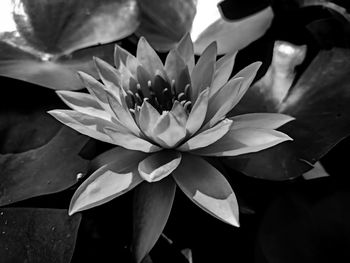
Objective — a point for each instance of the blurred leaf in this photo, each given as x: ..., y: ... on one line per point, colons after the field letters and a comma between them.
x: 167, y: 251
x: 317, y: 172
x: 234, y: 35
x: 37, y: 155
x: 237, y: 9
x: 163, y: 23
x: 59, y: 73
x: 320, y: 103
x: 36, y: 235
x: 300, y: 227
x: 38, y: 50
x: 48, y: 169
x: 187, y: 254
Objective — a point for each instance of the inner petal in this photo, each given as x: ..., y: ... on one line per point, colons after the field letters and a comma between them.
x: 168, y: 131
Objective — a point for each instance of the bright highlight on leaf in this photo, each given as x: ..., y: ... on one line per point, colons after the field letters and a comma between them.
x: 165, y: 118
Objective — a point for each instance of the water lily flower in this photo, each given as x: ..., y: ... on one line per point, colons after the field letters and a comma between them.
x: 165, y: 118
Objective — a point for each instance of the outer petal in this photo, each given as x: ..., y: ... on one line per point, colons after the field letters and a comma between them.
x: 198, y: 112
x: 96, y: 89
x: 185, y: 49
x: 152, y: 206
x: 149, y: 58
x: 248, y: 73
x: 109, y: 75
x: 245, y: 140
x: 223, y: 70
x: 122, y: 113
x: 202, y: 74
x: 108, y: 182
x: 129, y: 141
x: 123, y: 56
x: 222, y: 102
x: 159, y: 165
x: 260, y: 120
x: 84, y: 103
x: 207, y: 137
x: 207, y: 188
x: 85, y: 124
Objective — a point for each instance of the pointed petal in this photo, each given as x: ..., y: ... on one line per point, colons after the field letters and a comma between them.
x: 152, y: 206
x: 148, y: 118
x: 108, y: 74
x: 202, y: 74
x: 207, y: 188
x: 132, y: 68
x: 168, y: 131
x: 245, y: 140
x: 123, y: 114
x: 222, y: 102
x: 85, y: 124
x: 185, y: 49
x: 260, y: 120
x: 113, y: 155
x: 130, y: 141
x: 127, y: 78
x: 248, y: 73
x: 223, y: 70
x: 108, y: 182
x: 198, y: 112
x: 143, y: 77
x: 177, y: 70
x: 158, y: 85
x: 179, y: 113
x: 149, y: 58
x: 96, y: 89
x: 122, y: 56
x: 84, y: 103
x: 159, y: 165
x: 207, y: 137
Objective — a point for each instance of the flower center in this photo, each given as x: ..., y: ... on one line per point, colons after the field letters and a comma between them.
x: 161, y: 96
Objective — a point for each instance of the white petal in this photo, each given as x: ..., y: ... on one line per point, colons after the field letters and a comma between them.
x: 223, y: 70
x: 207, y: 188
x: 159, y: 165
x: 108, y: 182
x: 198, y: 112
x: 85, y: 124
x: 130, y: 141
x: 207, y: 137
x: 84, y: 103
x: 260, y: 120
x: 242, y: 141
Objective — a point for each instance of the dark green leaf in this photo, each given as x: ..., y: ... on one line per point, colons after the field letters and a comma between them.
x: 304, y: 228
x: 37, y: 155
x: 320, y: 103
x: 41, y: 50
x: 163, y: 23
x: 36, y: 235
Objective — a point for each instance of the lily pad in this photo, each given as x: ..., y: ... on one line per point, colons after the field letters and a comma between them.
x: 164, y: 23
x: 37, y: 155
x: 320, y: 103
x: 37, y: 235
x: 42, y: 51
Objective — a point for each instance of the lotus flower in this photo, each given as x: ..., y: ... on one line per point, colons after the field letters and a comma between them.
x: 165, y: 118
